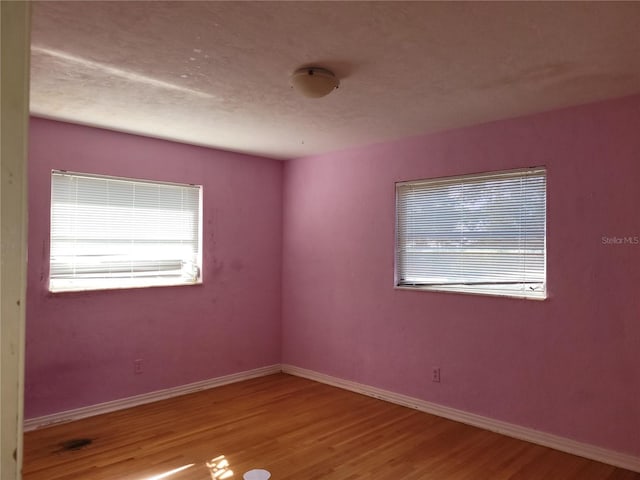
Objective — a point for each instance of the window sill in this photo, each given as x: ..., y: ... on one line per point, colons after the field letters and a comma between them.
x: 541, y: 296
x: 84, y: 289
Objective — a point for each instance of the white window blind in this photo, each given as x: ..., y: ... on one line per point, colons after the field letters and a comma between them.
x: 478, y: 233
x: 111, y: 232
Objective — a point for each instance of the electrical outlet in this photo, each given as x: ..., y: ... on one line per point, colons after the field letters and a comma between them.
x: 137, y: 366
x: 435, y: 375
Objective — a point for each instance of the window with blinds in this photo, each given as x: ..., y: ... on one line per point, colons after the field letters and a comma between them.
x: 476, y: 234
x: 109, y: 232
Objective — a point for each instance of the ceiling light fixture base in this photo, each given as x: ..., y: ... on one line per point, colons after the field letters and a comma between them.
x: 314, y: 82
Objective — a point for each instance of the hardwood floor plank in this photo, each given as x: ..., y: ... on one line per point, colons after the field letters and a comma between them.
x: 297, y: 429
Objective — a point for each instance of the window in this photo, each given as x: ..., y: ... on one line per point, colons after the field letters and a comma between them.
x: 111, y: 232
x: 476, y: 234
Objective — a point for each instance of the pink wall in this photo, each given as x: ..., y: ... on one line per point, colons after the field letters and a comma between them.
x: 81, y: 346
x: 569, y: 365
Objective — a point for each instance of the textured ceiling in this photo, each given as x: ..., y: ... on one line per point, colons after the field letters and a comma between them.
x: 217, y: 73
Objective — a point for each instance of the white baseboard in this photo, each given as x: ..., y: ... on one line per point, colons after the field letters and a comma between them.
x: 556, y: 442
x: 78, y: 413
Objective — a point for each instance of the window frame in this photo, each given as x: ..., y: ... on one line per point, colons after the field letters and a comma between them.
x: 466, y: 288
x: 131, y: 282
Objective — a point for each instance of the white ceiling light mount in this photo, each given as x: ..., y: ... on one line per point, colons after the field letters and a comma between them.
x: 314, y: 82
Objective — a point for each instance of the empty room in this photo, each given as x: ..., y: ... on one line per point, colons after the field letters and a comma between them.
x: 322, y: 240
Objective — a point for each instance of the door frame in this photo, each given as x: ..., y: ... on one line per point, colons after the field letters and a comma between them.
x: 14, y: 125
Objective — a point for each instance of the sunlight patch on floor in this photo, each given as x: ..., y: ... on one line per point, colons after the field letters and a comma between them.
x: 219, y: 468
x: 170, y: 472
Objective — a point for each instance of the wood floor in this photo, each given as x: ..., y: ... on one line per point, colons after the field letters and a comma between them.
x: 297, y: 429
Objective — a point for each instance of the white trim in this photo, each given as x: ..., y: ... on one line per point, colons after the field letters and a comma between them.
x: 556, y: 442
x: 122, y: 403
